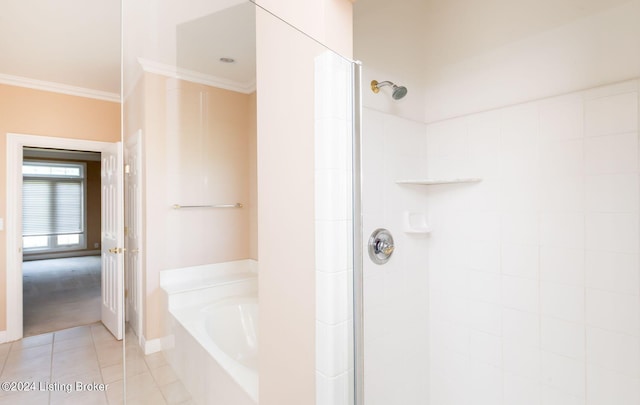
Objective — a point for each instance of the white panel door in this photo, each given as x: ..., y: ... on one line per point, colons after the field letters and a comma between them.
x: 112, y: 240
x: 133, y: 233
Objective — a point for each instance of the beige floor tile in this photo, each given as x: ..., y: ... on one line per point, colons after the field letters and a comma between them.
x: 79, y: 395
x: 164, y: 375
x: 72, y: 343
x: 75, y: 398
x: 115, y: 393
x: 112, y: 373
x: 33, y: 341
x: 25, y: 398
x: 100, y: 333
x: 135, y: 365
x: 80, y: 361
x: 73, y: 333
x: 175, y: 393
x: 18, y: 353
x: 140, y: 386
x: 155, y: 360
x: 109, y: 352
x: 154, y: 398
x: 34, y: 368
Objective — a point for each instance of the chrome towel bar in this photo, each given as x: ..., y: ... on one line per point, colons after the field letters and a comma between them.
x: 178, y: 206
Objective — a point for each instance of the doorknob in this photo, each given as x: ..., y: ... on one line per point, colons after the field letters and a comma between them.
x: 116, y: 250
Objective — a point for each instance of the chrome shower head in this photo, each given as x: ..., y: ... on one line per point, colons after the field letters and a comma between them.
x: 397, y: 93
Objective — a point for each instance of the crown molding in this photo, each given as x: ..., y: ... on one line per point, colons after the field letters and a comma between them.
x: 196, y: 77
x: 58, y: 88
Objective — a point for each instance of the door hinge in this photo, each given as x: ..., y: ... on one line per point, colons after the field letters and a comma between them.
x: 117, y: 250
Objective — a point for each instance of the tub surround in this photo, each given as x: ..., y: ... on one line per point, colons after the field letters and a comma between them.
x: 202, y: 302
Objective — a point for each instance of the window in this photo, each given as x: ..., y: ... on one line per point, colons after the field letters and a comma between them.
x: 53, y: 206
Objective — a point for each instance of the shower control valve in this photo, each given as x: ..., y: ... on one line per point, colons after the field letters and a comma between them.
x: 381, y: 246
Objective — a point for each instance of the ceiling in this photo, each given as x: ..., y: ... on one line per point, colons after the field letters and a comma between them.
x: 75, y: 44
x: 67, y: 42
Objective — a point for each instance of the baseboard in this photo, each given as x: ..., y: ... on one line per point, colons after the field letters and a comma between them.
x: 151, y: 346
x: 3, y: 336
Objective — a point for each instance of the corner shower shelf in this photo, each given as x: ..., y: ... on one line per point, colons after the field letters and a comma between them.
x: 433, y: 182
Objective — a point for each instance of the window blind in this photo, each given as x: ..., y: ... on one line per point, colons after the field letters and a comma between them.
x: 52, y: 206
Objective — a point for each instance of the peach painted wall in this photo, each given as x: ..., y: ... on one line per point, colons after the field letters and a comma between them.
x: 35, y: 112
x: 197, y: 144
x: 286, y: 190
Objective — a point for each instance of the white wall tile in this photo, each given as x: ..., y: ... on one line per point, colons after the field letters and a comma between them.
x: 332, y: 303
x: 611, y: 115
x: 563, y: 373
x: 520, y: 194
x: 485, y: 384
x: 521, y: 360
x: 616, y: 312
x: 611, y: 154
x: 481, y: 256
x: 606, y: 387
x: 554, y: 396
x: 520, y: 260
x: 331, y: 199
x: 612, y: 232
x: 521, y: 327
x: 332, y: 248
x: 484, y: 286
x: 561, y: 193
x: 614, y: 351
x: 520, y: 293
x: 519, y: 227
x: 615, y: 272
x: 485, y: 317
x: 562, y: 158
x: 562, y: 301
x: 612, y: 193
x: 561, y: 337
x: 332, y: 354
x: 566, y: 192
x: 333, y: 391
x: 486, y: 348
x: 561, y: 118
x: 561, y: 265
x: 562, y: 230
x: 446, y: 138
x: 521, y: 391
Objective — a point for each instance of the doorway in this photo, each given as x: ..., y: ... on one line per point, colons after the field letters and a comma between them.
x: 111, y: 222
x: 61, y: 231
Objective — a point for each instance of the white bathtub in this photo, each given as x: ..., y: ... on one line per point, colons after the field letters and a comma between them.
x: 214, y: 311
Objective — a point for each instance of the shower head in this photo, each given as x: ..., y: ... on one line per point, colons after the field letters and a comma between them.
x: 397, y: 93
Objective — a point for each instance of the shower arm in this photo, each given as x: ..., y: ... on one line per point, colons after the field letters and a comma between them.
x: 375, y: 86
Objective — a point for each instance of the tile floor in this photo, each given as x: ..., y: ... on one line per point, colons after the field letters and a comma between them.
x: 87, y: 354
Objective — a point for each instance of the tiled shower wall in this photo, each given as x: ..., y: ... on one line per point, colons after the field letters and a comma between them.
x: 534, y: 280
x: 396, y: 337
x: 333, y: 209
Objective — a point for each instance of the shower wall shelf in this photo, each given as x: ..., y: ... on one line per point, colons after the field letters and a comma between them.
x: 433, y: 182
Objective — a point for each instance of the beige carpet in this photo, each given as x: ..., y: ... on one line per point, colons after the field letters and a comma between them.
x: 60, y: 293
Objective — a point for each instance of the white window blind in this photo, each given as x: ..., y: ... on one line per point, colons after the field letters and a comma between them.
x: 52, y: 206
x: 52, y: 199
